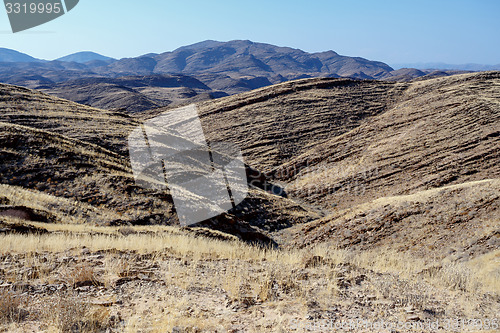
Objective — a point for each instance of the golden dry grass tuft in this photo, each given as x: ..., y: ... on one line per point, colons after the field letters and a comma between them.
x: 11, y: 307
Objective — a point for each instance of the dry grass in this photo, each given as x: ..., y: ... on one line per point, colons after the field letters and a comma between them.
x: 67, y: 313
x: 202, y: 283
x: 67, y: 211
x: 11, y: 307
x: 151, y: 239
x: 481, y: 274
x: 486, y: 269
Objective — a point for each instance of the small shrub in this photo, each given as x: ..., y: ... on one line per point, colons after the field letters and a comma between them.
x: 10, y: 307
x: 73, y: 315
x: 82, y: 275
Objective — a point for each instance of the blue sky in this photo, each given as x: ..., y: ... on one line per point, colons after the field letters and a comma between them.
x: 451, y: 31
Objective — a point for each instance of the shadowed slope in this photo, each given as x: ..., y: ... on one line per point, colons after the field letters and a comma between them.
x: 64, y: 160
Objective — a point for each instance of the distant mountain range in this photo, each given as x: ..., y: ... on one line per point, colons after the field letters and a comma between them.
x: 224, y: 68
x: 441, y: 66
x: 7, y: 55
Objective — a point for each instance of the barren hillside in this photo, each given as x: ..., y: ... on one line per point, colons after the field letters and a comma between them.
x: 57, y: 154
x: 373, y: 200
x: 344, y: 146
x: 330, y: 143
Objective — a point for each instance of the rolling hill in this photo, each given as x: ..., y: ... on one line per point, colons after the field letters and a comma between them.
x: 133, y: 93
x: 331, y: 144
x: 369, y: 198
x: 377, y: 156
x: 68, y: 163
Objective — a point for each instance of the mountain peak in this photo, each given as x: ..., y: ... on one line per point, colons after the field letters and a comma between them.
x: 83, y: 57
x: 245, y: 58
x: 200, y: 45
x: 8, y: 55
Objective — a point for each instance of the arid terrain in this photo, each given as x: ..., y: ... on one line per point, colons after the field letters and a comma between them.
x: 373, y: 203
x: 192, y: 73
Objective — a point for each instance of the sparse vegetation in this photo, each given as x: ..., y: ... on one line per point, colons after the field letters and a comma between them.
x: 383, y: 218
x: 172, y: 274
x: 11, y: 307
